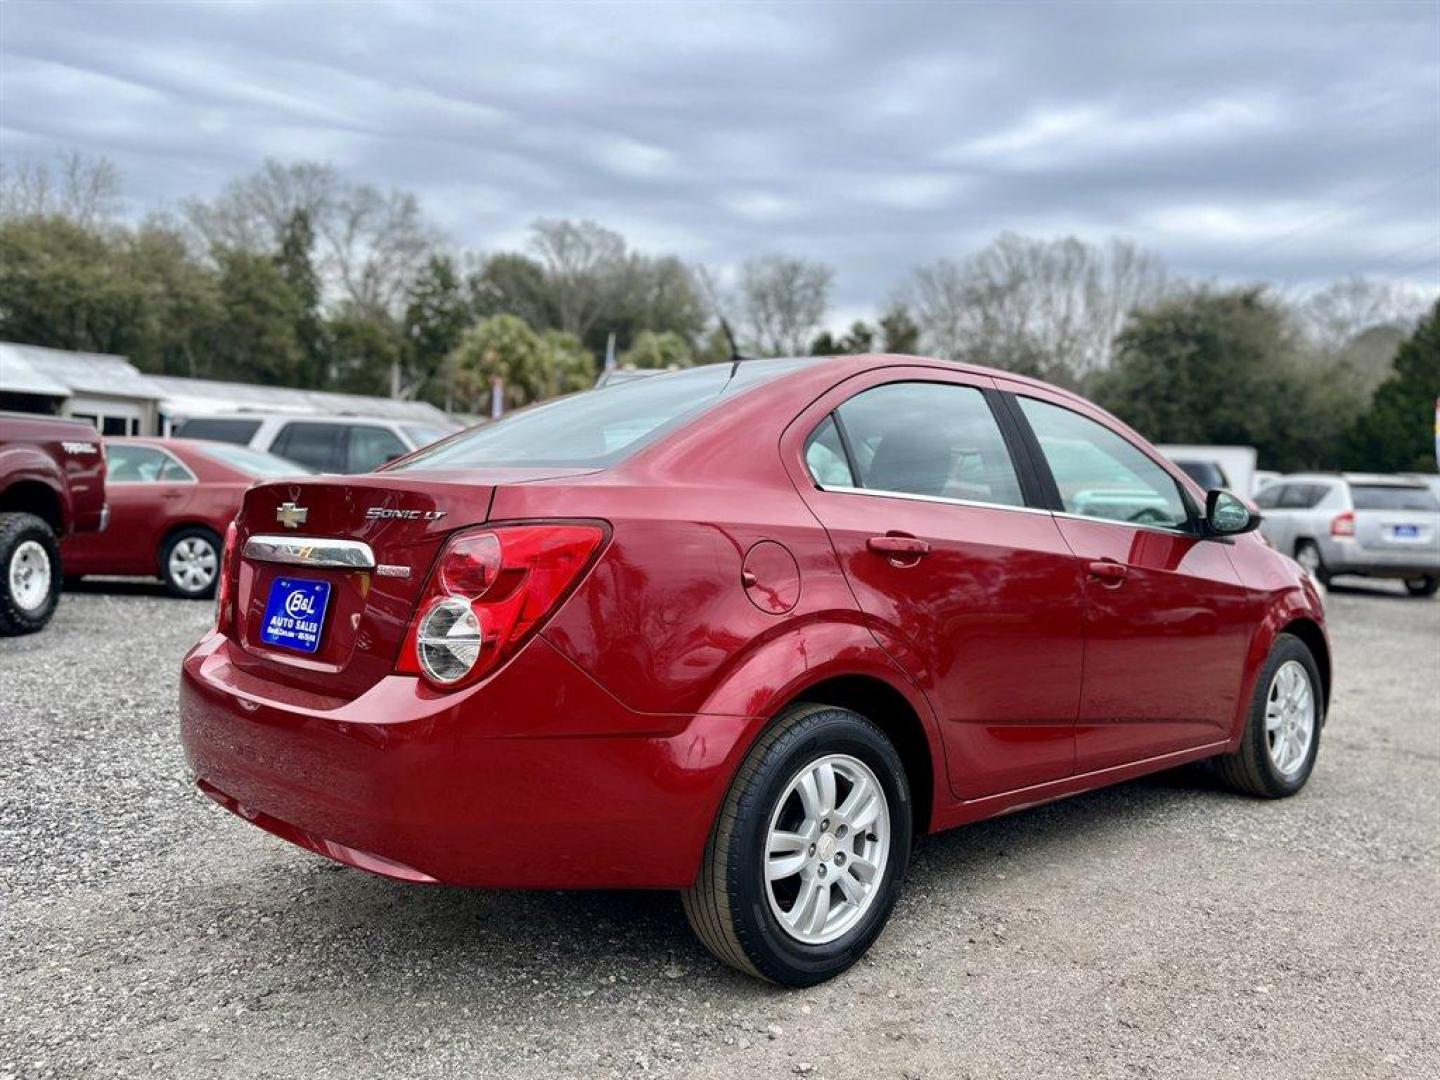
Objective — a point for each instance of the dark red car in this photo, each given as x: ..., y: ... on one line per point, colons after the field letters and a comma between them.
x: 171, y: 501
x: 744, y: 631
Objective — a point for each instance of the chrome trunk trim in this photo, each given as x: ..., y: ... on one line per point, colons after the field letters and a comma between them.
x: 310, y: 551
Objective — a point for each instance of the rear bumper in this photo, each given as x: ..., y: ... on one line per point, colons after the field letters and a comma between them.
x: 537, y: 778
x: 1346, y: 556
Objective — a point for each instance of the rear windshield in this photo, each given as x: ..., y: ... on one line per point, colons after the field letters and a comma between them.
x: 1393, y: 497
x: 595, y: 428
x: 253, y: 462
x: 231, y: 431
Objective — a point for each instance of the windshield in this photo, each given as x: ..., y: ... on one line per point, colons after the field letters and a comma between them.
x: 1393, y: 497
x: 253, y: 462
x: 595, y: 428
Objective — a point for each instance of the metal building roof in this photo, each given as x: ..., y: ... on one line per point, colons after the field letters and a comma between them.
x: 76, y: 372
x: 202, y: 397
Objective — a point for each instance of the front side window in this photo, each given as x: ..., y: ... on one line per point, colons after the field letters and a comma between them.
x: 133, y: 464
x: 312, y: 444
x: 932, y: 439
x: 370, y: 447
x: 1102, y: 475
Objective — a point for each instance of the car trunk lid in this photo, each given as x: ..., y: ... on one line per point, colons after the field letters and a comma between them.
x: 358, y: 549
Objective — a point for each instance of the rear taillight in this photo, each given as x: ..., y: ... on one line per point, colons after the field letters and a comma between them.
x: 1343, y: 525
x: 490, y: 590
x: 225, y: 589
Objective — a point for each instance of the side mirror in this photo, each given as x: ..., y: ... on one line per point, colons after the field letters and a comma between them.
x: 1226, y: 514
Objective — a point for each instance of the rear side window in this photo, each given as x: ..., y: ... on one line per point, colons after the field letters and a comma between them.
x: 1102, y: 475
x: 1393, y: 497
x: 1302, y: 496
x: 252, y: 462
x: 825, y: 456
x: 133, y: 464
x: 932, y: 439
x: 239, y: 432
x: 312, y: 444
x: 370, y: 447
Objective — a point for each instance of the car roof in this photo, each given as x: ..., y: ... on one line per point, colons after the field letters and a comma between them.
x: 1364, y: 479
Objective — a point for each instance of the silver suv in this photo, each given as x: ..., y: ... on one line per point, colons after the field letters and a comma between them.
x: 1356, y: 523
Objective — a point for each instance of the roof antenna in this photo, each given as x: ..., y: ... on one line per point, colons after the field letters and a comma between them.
x: 735, y: 355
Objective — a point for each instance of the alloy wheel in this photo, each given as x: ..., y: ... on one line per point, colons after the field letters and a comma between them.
x: 1289, y: 717
x: 826, y: 849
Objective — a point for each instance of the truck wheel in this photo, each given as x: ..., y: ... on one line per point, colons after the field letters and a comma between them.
x: 29, y: 574
x: 190, y: 563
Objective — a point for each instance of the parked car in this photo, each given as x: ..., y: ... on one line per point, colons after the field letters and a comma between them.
x: 171, y: 501
x: 351, y: 444
x: 1356, y: 523
x: 745, y: 631
x: 1230, y: 467
x: 52, y: 485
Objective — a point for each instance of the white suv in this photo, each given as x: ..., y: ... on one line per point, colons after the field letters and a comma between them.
x: 350, y: 444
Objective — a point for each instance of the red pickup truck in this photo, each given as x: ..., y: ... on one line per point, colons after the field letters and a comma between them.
x: 52, y: 484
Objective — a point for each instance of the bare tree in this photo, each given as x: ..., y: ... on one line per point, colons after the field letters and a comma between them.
x: 1338, y: 314
x: 1049, y: 307
x: 372, y: 243
x: 783, y: 302
x: 584, y: 266
x: 81, y: 189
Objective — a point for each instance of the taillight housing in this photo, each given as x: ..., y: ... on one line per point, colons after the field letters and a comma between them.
x: 225, y: 587
x: 490, y: 590
x: 1343, y: 524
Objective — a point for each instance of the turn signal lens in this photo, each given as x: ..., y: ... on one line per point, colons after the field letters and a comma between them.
x: 225, y: 590
x: 1343, y: 525
x: 490, y: 590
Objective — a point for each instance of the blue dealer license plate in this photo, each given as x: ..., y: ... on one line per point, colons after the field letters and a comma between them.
x: 295, y: 614
x: 1406, y: 532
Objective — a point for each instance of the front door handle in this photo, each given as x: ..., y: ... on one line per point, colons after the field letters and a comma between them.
x: 898, y: 547
x: 1111, y: 573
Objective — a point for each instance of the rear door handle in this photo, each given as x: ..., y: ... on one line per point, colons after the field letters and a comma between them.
x: 1111, y: 573
x: 898, y: 546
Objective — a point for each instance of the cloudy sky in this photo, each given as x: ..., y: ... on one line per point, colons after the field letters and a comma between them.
x: 1294, y: 142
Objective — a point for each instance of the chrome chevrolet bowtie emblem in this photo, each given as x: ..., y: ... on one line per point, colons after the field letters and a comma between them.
x: 290, y: 515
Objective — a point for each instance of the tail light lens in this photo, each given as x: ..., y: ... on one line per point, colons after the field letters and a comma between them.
x: 225, y: 589
x: 490, y: 590
x: 1343, y: 525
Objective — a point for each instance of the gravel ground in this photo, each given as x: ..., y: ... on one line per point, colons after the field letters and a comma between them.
x: 1161, y: 928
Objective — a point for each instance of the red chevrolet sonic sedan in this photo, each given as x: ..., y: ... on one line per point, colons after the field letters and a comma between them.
x: 171, y: 501
x: 744, y: 631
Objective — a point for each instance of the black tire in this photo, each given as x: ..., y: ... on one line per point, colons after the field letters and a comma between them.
x: 1310, y: 548
x: 1250, y: 769
x: 1423, y: 586
x: 20, y: 537
x: 729, y: 907
x: 176, y: 586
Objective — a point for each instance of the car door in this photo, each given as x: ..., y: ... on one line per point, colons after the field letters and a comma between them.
x: 970, y: 588
x: 143, y: 491
x: 1167, y: 619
